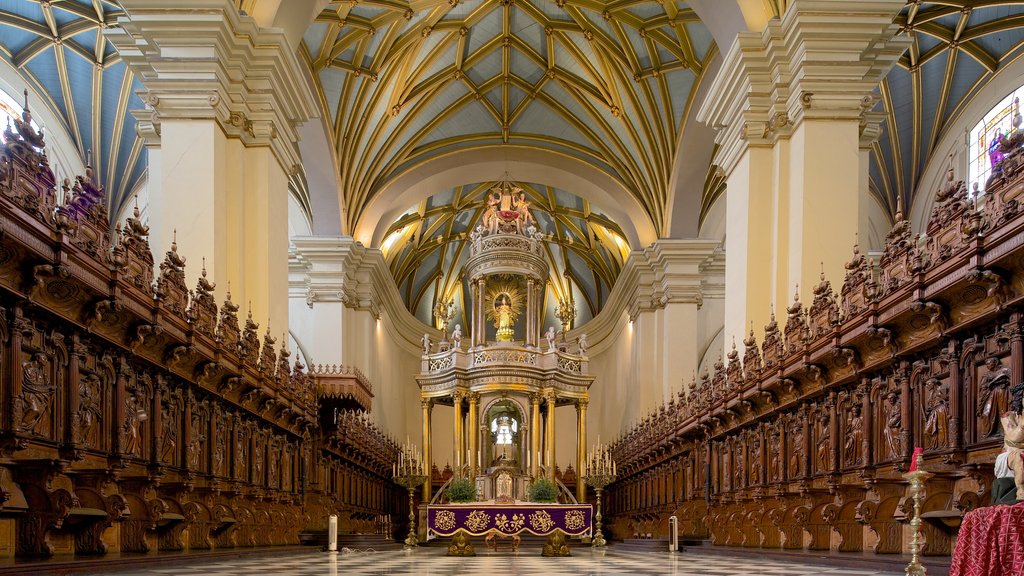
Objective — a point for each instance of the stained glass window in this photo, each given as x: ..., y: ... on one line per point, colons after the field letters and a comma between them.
x: 985, y: 137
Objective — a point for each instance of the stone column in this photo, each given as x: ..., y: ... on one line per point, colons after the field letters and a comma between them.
x: 473, y: 433
x: 549, y: 444
x: 581, y: 449
x: 791, y: 145
x: 428, y: 462
x: 224, y: 98
x: 535, y: 431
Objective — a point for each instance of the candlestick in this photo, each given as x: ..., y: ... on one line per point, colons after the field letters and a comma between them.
x: 917, y: 478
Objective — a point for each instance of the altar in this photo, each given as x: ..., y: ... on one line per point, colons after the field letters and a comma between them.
x: 463, y: 521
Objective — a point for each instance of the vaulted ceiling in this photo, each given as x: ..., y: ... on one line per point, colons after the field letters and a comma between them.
x: 606, y: 82
x: 58, y: 48
x: 958, y: 46
x: 427, y: 247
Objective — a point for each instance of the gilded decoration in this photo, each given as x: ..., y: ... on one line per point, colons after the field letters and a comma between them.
x: 574, y: 520
x: 445, y: 520
x: 541, y: 521
x: 510, y: 525
x: 505, y: 305
x: 478, y: 520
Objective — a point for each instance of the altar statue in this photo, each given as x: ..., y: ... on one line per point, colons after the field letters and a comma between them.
x: 506, y: 317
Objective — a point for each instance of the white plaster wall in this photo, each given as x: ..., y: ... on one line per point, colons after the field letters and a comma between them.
x: 614, y: 400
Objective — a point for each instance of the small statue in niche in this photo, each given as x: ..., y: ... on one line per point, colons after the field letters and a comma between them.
x: 170, y: 438
x: 992, y: 396
x: 134, y: 415
x: 755, y: 462
x: 893, y: 415
x: 426, y: 343
x: 550, y: 336
x: 89, y: 412
x: 854, y: 436
x: 824, y: 443
x: 774, y: 459
x: 797, y: 454
x: 457, y: 336
x: 936, y: 424
x: 36, y: 391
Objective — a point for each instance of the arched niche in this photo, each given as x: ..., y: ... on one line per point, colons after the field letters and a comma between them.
x: 953, y: 145
x: 523, y: 164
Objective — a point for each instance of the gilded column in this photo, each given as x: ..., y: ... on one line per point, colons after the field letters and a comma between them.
x: 427, y: 460
x: 531, y: 313
x: 480, y: 334
x: 581, y: 448
x: 535, y: 436
x: 473, y: 433
x: 460, y: 451
x: 549, y: 444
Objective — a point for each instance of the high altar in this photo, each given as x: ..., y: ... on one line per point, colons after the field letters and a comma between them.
x: 499, y: 381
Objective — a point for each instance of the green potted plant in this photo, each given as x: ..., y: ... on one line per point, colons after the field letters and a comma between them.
x: 543, y: 490
x: 462, y: 490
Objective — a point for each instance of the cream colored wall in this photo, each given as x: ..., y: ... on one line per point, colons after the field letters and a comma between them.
x: 613, y: 396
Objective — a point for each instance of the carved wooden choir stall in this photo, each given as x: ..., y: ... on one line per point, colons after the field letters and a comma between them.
x: 138, y: 416
x: 802, y: 442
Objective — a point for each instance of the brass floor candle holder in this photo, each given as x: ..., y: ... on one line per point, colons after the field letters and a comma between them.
x: 600, y: 473
x: 411, y: 482
x: 917, y: 477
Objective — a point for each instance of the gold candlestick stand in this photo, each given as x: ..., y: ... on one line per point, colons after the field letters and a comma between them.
x: 411, y: 482
x: 600, y: 473
x: 917, y: 478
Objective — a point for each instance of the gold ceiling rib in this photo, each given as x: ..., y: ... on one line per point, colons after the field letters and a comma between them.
x: 615, y: 61
x: 936, y: 28
x: 66, y: 43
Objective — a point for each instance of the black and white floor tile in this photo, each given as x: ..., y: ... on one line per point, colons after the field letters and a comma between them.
x: 429, y: 561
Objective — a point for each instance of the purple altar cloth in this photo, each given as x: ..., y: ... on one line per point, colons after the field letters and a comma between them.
x: 479, y: 518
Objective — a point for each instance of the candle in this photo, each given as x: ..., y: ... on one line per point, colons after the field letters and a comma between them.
x: 913, y: 459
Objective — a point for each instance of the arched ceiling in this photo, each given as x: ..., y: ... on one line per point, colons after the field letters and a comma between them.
x: 607, y: 82
x: 58, y: 48
x: 958, y: 46
x: 427, y: 247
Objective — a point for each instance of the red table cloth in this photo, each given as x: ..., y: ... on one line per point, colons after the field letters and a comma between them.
x: 990, y: 543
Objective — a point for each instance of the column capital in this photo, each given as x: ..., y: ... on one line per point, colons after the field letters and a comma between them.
x: 550, y: 396
x: 458, y: 396
x: 536, y: 398
x: 582, y: 403
x: 669, y: 272
x: 427, y: 403
x: 473, y: 397
x: 201, y: 59
x: 822, y: 60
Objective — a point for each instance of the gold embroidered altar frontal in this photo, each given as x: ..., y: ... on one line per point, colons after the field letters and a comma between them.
x: 479, y: 519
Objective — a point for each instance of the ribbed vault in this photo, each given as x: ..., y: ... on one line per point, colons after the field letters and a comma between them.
x: 427, y: 247
x: 59, y: 49
x: 958, y: 47
x: 607, y: 82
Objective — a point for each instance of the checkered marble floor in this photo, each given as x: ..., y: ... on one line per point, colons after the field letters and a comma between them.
x: 428, y: 561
